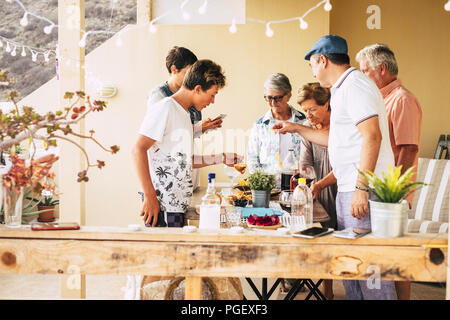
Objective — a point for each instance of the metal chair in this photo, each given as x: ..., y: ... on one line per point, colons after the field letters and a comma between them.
x: 442, y: 147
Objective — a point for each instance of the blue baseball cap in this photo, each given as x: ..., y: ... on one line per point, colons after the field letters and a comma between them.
x: 328, y: 44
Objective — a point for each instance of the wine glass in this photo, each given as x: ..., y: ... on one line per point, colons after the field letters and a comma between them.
x: 231, y: 173
x: 307, y: 172
x: 285, y: 200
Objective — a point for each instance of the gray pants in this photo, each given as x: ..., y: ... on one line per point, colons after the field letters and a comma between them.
x: 359, y: 289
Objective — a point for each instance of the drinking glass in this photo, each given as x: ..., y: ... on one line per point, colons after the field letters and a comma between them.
x: 285, y: 200
x: 231, y: 173
x: 234, y: 216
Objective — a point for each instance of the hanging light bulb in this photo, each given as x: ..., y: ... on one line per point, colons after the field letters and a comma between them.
x: 24, y: 20
x: 303, y: 24
x: 13, y: 53
x: 202, y: 9
x: 269, y: 31
x: 23, y: 54
x: 327, y: 6
x: 447, y: 6
x: 8, y: 48
x: 119, y: 42
x: 186, y: 16
x: 152, y: 28
x: 233, y: 28
x: 33, y: 55
x: 48, y: 29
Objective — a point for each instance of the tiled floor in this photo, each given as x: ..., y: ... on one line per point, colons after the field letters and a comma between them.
x: 113, y: 288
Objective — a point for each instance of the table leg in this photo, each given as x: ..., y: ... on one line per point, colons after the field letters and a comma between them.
x: 314, y: 290
x: 255, y: 290
x: 193, y: 290
x: 296, y: 287
x: 264, y: 294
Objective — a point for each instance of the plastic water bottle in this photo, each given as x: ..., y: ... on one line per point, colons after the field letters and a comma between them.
x: 210, y: 206
x: 301, y: 207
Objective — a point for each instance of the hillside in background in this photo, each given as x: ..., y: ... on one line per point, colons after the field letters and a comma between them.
x: 110, y: 15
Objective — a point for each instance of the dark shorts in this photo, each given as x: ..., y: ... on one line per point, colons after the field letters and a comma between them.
x: 174, y: 219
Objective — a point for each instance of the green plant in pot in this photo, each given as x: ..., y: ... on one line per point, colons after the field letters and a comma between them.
x: 261, y: 184
x: 389, y: 211
x: 46, y: 208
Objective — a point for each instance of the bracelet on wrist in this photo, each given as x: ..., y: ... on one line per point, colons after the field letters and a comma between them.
x: 362, y: 189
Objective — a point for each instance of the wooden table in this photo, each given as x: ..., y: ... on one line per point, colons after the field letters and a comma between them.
x: 171, y: 252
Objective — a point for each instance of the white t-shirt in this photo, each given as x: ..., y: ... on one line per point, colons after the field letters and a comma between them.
x: 354, y: 99
x: 170, y: 158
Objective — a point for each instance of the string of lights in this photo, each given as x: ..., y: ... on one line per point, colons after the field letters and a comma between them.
x: 12, y: 46
x: 151, y: 26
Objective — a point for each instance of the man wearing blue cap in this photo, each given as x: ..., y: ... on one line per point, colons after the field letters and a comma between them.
x: 358, y: 138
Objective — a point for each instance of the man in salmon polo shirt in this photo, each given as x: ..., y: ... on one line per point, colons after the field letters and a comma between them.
x: 404, y: 113
x: 358, y: 139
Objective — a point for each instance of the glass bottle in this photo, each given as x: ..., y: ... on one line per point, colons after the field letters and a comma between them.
x: 210, y: 206
x: 288, y: 170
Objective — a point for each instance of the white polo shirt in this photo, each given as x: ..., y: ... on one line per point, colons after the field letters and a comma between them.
x: 354, y: 99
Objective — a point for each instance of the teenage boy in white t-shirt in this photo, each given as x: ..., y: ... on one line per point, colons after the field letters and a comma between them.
x: 163, y: 153
x: 358, y: 139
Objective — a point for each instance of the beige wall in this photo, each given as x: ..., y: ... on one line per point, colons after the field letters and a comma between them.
x: 247, y: 57
x: 418, y: 33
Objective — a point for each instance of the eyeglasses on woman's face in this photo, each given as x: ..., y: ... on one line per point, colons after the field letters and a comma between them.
x: 274, y: 98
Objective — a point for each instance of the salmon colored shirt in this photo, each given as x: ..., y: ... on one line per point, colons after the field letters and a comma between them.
x: 404, y: 116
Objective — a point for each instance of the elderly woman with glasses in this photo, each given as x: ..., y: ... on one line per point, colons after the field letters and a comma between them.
x: 266, y: 148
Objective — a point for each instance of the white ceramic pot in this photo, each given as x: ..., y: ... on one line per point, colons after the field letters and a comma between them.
x: 388, y: 220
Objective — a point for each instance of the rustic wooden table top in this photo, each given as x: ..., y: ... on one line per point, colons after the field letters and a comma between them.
x: 221, y: 253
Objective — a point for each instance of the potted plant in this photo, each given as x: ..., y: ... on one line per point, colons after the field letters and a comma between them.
x: 389, y: 211
x: 45, y: 205
x: 26, y: 124
x: 47, y: 208
x: 261, y: 183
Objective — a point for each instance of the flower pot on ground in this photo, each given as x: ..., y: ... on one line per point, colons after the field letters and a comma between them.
x: 261, y: 183
x: 389, y: 211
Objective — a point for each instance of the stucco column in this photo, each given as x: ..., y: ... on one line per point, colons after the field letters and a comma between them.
x: 144, y: 11
x: 72, y: 201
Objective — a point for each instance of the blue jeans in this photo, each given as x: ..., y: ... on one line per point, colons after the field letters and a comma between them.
x: 359, y: 289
